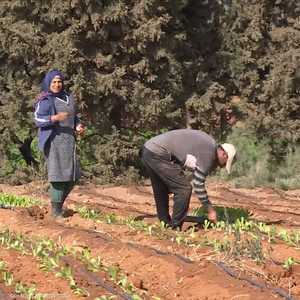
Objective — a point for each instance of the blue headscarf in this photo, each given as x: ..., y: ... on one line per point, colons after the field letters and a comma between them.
x: 45, y: 86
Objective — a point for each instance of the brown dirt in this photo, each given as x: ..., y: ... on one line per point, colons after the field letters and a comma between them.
x: 157, y: 267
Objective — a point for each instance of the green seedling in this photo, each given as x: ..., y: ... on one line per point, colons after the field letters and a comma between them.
x: 80, y: 291
x: 113, y: 272
x: 289, y: 262
x: 127, y: 286
x: 111, y: 218
x: 135, y: 297
x: 87, y: 213
x: 49, y: 263
x: 2, y: 266
x: 93, y: 264
x: 150, y: 229
x: 8, y: 278
x: 179, y: 239
x: 66, y: 272
x: 295, y: 238
x: 38, y: 250
x: 206, y: 225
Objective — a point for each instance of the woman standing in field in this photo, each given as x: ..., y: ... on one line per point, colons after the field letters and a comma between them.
x: 56, y: 119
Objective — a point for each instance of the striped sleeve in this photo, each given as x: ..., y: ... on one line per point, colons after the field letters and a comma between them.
x: 199, y: 186
x: 42, y: 115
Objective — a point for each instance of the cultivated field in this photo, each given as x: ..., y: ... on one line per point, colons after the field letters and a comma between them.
x: 110, y: 246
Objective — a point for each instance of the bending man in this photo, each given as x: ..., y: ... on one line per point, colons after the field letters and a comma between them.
x: 167, y: 155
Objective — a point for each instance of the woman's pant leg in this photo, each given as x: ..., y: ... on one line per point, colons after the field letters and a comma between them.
x: 58, y: 193
x: 57, y: 190
x: 68, y: 188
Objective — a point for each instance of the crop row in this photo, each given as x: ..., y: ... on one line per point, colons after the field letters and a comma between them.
x: 57, y: 258
x: 242, y: 238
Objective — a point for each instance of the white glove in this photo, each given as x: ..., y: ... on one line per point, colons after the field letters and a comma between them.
x: 190, y: 162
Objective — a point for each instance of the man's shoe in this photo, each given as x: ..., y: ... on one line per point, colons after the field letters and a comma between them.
x: 177, y: 227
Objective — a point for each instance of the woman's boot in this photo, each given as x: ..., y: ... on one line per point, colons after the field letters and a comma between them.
x: 56, y: 209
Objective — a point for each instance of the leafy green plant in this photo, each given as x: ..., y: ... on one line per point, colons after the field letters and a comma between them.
x: 111, y: 218
x: 87, y: 213
x: 292, y: 238
x: 7, y: 200
x: 8, y: 278
x: 113, y: 272
x: 289, y: 262
x: 93, y: 264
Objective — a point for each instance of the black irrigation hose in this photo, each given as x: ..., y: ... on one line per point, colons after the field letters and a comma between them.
x: 233, y: 274
x: 97, y: 281
x: 196, y: 219
x: 95, y: 234
x: 159, y: 252
x: 185, y: 259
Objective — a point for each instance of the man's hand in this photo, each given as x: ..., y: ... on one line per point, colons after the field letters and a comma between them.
x: 212, y: 215
x: 80, y: 129
x: 61, y: 116
x: 190, y: 162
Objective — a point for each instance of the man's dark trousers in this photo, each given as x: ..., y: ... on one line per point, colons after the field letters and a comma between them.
x: 167, y: 176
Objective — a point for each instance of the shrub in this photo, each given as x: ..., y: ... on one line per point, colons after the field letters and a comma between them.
x: 257, y: 166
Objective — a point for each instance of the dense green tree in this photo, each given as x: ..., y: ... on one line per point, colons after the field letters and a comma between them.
x: 138, y: 67
x: 261, y: 42
x: 133, y: 66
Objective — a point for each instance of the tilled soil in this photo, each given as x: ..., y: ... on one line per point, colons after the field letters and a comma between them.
x: 157, y: 267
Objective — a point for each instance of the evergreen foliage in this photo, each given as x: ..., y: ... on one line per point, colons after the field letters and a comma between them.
x: 261, y: 40
x: 141, y: 67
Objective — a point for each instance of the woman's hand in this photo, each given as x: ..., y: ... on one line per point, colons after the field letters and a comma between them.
x: 61, y: 116
x: 80, y: 129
